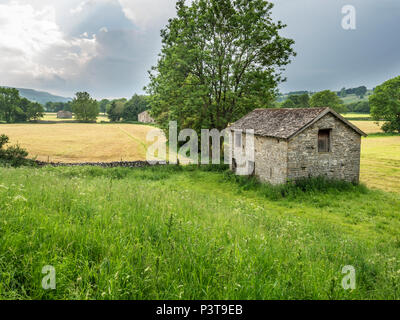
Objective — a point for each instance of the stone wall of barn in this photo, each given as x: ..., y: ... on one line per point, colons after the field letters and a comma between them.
x: 271, y: 159
x: 342, y: 162
x: 145, y: 117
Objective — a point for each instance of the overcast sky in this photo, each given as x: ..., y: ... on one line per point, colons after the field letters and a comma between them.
x: 105, y: 47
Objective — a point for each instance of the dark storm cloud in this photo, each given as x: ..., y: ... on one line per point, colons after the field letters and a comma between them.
x: 124, y: 57
x: 106, y: 47
x: 330, y: 57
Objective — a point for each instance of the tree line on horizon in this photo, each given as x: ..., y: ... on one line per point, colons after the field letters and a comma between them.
x: 87, y: 109
x: 14, y: 108
x: 324, y: 98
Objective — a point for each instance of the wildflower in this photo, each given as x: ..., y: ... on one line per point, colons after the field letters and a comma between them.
x: 19, y: 197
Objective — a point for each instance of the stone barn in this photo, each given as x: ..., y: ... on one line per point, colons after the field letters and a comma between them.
x: 299, y: 143
x: 64, y: 115
x: 145, y: 117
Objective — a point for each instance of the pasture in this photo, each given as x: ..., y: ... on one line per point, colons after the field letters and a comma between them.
x: 76, y: 142
x: 380, y: 162
x: 356, y: 115
x: 52, y: 117
x: 369, y: 126
x: 188, y: 233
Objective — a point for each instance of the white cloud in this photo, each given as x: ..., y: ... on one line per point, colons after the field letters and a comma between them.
x: 147, y: 14
x: 143, y: 13
x: 79, y: 8
x: 104, y: 29
x: 32, y: 45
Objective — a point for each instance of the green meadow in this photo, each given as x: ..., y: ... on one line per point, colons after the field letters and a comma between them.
x: 193, y: 233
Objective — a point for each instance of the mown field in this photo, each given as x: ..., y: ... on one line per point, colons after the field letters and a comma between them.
x: 356, y: 115
x: 51, y: 116
x: 380, y: 162
x: 186, y: 233
x: 76, y: 142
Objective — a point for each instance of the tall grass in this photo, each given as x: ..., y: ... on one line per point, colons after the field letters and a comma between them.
x: 192, y: 233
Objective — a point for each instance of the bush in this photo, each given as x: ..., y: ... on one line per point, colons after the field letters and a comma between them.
x: 13, y: 155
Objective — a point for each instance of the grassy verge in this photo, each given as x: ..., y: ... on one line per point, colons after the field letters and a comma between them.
x: 188, y: 233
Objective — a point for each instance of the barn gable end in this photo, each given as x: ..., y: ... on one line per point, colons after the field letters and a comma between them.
x: 298, y: 143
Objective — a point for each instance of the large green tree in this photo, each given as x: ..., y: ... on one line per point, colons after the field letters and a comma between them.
x: 329, y: 99
x: 35, y: 111
x: 220, y: 59
x: 13, y: 108
x: 134, y: 106
x: 115, y: 109
x: 385, y: 104
x: 9, y: 104
x: 297, y: 101
x: 85, y: 108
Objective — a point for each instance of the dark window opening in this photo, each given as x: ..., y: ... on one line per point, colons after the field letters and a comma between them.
x: 324, y: 140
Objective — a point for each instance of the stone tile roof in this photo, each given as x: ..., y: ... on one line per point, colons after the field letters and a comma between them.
x: 283, y: 123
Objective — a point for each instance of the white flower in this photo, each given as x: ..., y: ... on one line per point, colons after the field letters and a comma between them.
x: 19, y: 197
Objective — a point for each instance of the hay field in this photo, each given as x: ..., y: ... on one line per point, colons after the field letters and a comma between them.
x: 356, y: 115
x: 49, y: 116
x: 77, y: 142
x: 369, y: 126
x: 380, y: 163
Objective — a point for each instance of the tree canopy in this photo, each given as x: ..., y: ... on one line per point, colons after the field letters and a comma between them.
x: 385, y: 104
x: 329, y: 99
x: 58, y: 106
x: 220, y: 59
x: 13, y: 108
x: 297, y: 101
x: 360, y: 107
x: 134, y: 106
x: 85, y: 108
x: 115, y: 109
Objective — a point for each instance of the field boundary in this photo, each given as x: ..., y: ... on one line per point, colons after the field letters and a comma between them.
x: 125, y: 164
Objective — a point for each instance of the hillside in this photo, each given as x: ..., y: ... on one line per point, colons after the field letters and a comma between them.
x: 350, y: 98
x: 40, y: 96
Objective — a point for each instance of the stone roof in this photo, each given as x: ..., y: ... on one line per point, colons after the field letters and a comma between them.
x: 284, y: 123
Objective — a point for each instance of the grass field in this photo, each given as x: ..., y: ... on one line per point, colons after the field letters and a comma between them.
x: 380, y: 163
x: 369, y: 126
x: 356, y: 115
x: 112, y: 142
x: 77, y: 142
x: 49, y: 116
x: 183, y: 233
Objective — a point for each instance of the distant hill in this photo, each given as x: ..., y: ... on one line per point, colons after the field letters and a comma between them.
x: 40, y: 96
x: 351, y: 96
